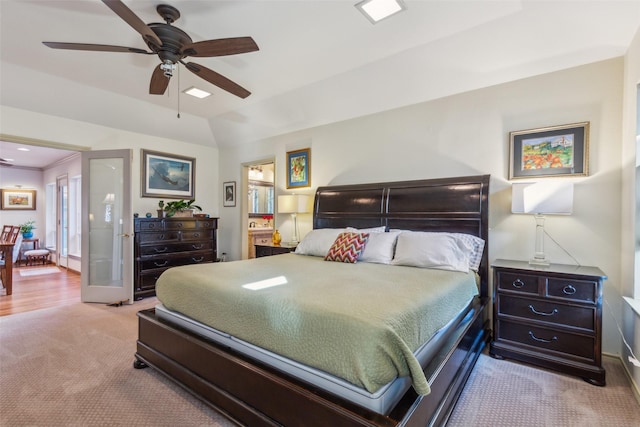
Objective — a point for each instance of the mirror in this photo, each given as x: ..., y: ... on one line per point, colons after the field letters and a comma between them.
x: 260, y: 197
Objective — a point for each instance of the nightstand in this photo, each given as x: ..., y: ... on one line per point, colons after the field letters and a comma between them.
x: 268, y: 249
x: 549, y: 316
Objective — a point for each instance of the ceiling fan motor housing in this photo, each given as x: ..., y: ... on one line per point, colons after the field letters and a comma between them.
x: 173, y: 39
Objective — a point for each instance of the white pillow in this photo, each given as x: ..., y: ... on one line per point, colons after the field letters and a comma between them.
x: 318, y: 242
x: 476, y: 243
x: 380, y: 229
x: 380, y: 247
x: 432, y: 250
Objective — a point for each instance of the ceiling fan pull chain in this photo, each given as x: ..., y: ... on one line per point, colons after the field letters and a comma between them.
x: 178, y: 92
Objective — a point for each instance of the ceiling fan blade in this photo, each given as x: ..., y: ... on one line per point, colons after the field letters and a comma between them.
x: 217, y: 79
x: 132, y: 19
x: 159, y: 82
x: 220, y: 47
x: 95, y: 47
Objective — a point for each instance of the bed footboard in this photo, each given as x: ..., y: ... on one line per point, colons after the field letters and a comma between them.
x: 256, y: 395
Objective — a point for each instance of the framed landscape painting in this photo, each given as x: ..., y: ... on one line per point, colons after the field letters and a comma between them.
x: 168, y: 176
x: 550, y: 152
x: 18, y: 199
x: 299, y: 168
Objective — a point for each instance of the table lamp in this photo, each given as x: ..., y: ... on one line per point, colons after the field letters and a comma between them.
x: 293, y: 204
x: 540, y: 199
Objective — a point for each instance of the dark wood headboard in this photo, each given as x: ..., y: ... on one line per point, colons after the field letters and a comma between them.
x: 459, y: 204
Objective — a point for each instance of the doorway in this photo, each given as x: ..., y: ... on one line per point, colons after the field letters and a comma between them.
x: 258, y: 203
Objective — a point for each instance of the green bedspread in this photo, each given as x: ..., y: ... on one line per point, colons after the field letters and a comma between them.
x: 361, y: 322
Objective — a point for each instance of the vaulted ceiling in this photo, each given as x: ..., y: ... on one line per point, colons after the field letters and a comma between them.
x: 319, y: 61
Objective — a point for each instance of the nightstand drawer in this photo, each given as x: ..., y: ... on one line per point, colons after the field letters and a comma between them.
x: 547, y: 339
x: 547, y: 311
x: 577, y: 290
x: 518, y: 283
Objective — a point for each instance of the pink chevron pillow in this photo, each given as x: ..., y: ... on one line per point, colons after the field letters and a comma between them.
x: 347, y: 247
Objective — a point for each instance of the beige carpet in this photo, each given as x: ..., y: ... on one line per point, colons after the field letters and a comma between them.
x: 39, y: 271
x: 72, y: 366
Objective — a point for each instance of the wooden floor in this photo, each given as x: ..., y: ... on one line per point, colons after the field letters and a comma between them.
x: 33, y: 292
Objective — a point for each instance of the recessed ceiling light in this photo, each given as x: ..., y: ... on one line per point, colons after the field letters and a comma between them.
x: 23, y: 149
x: 377, y: 10
x: 198, y: 93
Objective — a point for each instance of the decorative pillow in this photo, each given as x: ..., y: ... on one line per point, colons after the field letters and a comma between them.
x: 347, y: 247
x: 432, y: 250
x: 317, y: 242
x: 380, y: 247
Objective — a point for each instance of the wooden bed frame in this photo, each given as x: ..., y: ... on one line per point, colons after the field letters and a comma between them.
x: 254, y: 394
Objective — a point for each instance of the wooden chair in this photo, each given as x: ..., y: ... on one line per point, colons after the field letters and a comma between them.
x: 6, y: 232
x: 16, y: 251
x: 15, y: 232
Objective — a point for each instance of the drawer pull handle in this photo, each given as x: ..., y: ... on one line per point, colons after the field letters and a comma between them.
x: 518, y: 283
x: 196, y: 234
x: 540, y: 313
x: 161, y: 237
x: 197, y: 259
x: 161, y: 264
x: 159, y: 251
x: 569, y: 290
x: 197, y: 246
x: 542, y: 339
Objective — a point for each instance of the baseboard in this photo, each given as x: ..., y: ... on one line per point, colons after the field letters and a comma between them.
x: 634, y: 387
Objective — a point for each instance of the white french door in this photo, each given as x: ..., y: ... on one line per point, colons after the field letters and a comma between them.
x: 62, y: 223
x: 107, y: 238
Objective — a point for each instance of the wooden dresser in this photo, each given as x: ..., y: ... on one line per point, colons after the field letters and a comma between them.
x: 549, y: 316
x: 161, y: 243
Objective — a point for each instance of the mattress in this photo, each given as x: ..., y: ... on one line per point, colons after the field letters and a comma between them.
x: 360, y: 322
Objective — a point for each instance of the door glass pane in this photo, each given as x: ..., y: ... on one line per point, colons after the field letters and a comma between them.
x: 105, y: 222
x: 64, y: 219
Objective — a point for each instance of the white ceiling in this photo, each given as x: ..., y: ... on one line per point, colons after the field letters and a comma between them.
x: 320, y: 61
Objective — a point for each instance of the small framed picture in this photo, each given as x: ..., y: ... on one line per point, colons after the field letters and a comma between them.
x: 229, y: 192
x: 550, y: 152
x: 18, y: 200
x: 299, y: 168
x: 168, y: 176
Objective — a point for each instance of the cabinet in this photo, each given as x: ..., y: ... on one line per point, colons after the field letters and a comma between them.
x: 258, y: 236
x: 161, y: 243
x: 550, y: 317
x: 270, y: 249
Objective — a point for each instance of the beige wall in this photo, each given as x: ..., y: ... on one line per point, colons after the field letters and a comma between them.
x: 468, y: 134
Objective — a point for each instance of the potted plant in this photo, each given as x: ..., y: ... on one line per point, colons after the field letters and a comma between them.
x: 181, y: 208
x: 27, y: 229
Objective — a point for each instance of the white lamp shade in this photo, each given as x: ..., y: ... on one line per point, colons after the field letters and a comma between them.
x: 550, y: 197
x: 293, y: 203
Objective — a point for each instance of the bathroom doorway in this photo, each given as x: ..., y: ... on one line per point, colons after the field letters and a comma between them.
x: 258, y: 204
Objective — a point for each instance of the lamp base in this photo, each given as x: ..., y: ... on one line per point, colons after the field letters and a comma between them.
x: 544, y: 262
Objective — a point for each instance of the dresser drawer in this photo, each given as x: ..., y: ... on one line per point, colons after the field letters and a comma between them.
x: 197, y: 234
x: 148, y: 279
x: 177, y: 259
x: 547, y: 339
x: 167, y: 248
x: 518, y: 283
x: 577, y: 290
x: 159, y: 236
x: 547, y: 311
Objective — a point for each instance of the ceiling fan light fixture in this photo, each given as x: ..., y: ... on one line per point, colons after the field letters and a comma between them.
x: 377, y: 10
x: 198, y: 93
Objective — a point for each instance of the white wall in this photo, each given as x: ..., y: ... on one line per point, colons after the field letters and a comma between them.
x: 468, y: 134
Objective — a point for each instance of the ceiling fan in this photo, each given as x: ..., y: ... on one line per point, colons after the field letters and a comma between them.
x: 172, y: 45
